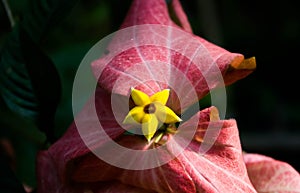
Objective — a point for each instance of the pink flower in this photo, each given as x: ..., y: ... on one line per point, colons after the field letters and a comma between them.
x: 69, y: 166
x: 202, y: 154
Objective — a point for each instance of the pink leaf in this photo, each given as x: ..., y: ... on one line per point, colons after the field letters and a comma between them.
x: 208, y: 164
x: 154, y: 57
x: 161, y: 56
x: 114, y: 186
x: 58, y: 158
x: 49, y: 181
x: 269, y: 175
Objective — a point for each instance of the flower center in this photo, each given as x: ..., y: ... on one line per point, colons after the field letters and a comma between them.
x: 151, y: 112
x: 150, y: 108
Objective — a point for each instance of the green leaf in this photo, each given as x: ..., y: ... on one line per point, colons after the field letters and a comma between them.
x: 14, y: 126
x: 26, y: 140
x: 43, y: 15
x: 30, y: 87
x: 29, y: 82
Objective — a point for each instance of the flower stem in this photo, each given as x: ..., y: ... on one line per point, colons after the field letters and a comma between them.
x: 9, y: 13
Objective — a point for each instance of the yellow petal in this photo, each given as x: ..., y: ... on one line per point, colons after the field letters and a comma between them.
x: 149, y: 126
x: 135, y: 115
x: 139, y: 98
x: 161, y: 96
x: 165, y: 114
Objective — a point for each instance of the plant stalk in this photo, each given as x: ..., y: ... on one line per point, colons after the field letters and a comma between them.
x: 9, y: 13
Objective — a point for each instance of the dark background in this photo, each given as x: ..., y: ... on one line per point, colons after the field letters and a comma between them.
x: 265, y: 104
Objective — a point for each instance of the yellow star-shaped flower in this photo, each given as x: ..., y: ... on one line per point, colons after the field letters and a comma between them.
x: 150, y: 111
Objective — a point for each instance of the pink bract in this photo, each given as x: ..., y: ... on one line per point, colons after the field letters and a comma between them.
x: 70, y: 166
x: 211, y: 162
x: 270, y: 175
x: 157, y: 53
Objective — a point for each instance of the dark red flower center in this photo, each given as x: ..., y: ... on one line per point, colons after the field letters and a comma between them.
x: 150, y: 108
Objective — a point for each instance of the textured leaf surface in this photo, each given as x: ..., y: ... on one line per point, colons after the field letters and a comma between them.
x: 269, y: 175
x: 221, y: 168
x: 212, y: 162
x: 153, y: 58
x: 62, y: 154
